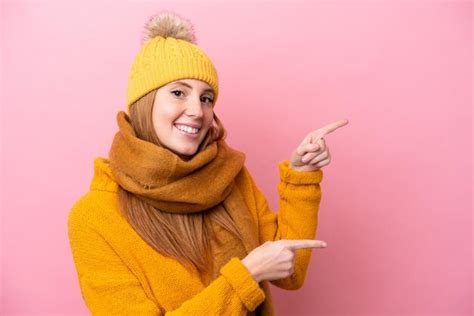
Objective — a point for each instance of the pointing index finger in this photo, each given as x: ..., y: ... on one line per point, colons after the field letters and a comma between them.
x: 332, y: 127
x: 304, y: 243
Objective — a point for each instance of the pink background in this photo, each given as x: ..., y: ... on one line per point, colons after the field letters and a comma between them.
x: 396, y: 209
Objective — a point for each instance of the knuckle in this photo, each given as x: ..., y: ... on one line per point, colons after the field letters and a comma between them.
x: 291, y: 255
x: 277, y: 242
x: 278, y: 248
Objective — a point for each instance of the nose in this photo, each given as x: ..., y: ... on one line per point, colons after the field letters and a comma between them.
x: 193, y: 107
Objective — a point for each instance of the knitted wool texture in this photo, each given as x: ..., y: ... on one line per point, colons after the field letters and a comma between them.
x: 162, y: 60
x: 119, y: 274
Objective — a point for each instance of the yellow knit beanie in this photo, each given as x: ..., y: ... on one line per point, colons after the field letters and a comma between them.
x: 169, y: 53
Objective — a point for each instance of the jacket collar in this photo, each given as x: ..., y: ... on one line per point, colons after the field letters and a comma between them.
x: 103, y: 180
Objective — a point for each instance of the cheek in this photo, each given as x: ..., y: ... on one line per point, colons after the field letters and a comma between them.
x: 164, y: 116
x: 209, y: 118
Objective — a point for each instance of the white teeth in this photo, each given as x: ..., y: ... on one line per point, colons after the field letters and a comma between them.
x: 187, y: 129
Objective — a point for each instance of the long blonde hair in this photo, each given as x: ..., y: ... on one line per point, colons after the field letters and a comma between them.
x: 185, y: 237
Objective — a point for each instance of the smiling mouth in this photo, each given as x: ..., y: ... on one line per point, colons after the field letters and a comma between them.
x: 189, y: 135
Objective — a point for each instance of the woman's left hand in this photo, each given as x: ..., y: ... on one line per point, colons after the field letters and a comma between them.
x: 313, y: 153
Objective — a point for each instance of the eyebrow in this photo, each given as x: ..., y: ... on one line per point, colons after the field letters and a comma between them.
x: 187, y: 85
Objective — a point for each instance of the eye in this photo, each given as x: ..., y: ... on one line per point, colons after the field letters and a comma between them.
x: 179, y: 91
x: 210, y: 99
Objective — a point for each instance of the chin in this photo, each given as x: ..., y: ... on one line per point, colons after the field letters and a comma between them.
x: 185, y: 148
x: 189, y: 151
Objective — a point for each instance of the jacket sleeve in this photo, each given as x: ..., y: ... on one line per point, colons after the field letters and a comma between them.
x: 109, y: 287
x: 297, y: 217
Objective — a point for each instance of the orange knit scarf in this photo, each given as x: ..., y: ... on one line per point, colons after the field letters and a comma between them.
x: 164, y: 180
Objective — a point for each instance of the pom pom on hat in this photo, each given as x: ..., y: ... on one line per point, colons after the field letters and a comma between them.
x: 169, y: 24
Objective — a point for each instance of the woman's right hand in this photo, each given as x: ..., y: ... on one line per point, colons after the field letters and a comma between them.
x: 274, y: 260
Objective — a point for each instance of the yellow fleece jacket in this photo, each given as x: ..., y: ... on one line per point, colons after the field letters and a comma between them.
x: 120, y: 274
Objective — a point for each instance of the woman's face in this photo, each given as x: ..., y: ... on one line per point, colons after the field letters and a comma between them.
x: 179, y: 108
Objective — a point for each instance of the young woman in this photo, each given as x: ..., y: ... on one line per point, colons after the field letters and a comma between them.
x: 173, y: 222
